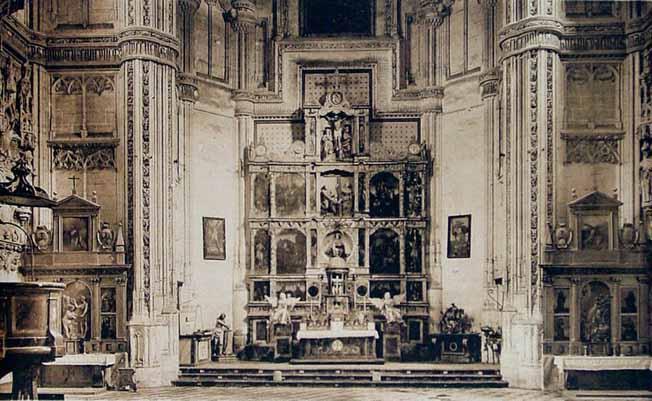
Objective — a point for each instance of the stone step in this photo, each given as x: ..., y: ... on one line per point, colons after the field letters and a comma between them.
x: 342, y: 383
x: 190, y: 371
x: 339, y: 376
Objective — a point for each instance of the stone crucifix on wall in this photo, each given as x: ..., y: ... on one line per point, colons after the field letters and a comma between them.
x: 337, y: 126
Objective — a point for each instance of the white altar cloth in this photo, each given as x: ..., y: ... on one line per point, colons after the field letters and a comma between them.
x: 594, y: 363
x: 344, y: 333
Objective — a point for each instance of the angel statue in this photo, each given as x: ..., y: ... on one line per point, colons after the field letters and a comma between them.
x: 388, y: 306
x: 281, y: 308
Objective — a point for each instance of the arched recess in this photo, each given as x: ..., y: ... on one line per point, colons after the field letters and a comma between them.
x: 595, y: 313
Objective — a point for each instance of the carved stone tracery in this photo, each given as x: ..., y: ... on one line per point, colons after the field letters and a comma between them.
x: 592, y: 149
x: 91, y: 156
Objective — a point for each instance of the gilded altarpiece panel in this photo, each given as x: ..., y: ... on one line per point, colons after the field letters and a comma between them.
x: 337, y: 207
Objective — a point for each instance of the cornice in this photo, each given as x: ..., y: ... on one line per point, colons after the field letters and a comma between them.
x: 55, y: 50
x: 611, y: 39
x: 327, y: 44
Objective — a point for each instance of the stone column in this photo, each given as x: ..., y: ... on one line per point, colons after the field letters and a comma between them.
x: 149, y: 74
x: 243, y: 21
x: 188, y: 94
x: 529, y: 65
x: 244, y: 126
x: 489, y: 87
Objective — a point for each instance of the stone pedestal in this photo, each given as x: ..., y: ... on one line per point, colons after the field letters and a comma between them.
x: 392, y: 342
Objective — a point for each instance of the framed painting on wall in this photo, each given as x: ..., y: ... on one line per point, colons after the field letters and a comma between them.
x: 214, y: 238
x: 459, y: 236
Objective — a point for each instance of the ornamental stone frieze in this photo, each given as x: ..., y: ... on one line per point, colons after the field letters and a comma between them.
x: 614, y: 39
x: 83, y: 156
x: 592, y: 149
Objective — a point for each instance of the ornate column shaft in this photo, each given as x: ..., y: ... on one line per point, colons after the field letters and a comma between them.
x: 244, y: 128
x: 243, y: 21
x: 188, y: 94
x: 529, y: 59
x: 149, y: 71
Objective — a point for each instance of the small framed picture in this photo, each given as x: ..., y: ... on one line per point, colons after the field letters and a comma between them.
x: 214, y: 238
x: 459, y: 236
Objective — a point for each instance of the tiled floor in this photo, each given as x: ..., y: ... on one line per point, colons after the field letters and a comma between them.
x: 323, y: 394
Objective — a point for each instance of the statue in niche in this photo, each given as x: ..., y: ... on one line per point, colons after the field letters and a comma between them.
x: 261, y: 251
x: 629, y: 303
x: 105, y: 237
x: 561, y: 300
x: 75, y: 325
x: 595, y: 323
x: 384, y: 195
x: 598, y: 320
x: 261, y: 193
x: 414, y: 197
x: 389, y: 307
x: 281, y: 308
x: 561, y: 329
x: 327, y: 145
x: 646, y: 180
x: 346, y: 141
x: 413, y: 251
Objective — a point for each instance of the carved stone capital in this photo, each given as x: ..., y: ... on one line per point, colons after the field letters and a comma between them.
x: 144, y: 43
x: 242, y: 15
x: 188, y: 88
x: 434, y: 12
x: 490, y: 82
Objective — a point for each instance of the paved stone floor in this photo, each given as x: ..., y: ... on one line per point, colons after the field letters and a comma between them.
x: 337, y: 394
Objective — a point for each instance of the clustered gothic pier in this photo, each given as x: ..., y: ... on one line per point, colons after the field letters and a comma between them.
x: 369, y: 180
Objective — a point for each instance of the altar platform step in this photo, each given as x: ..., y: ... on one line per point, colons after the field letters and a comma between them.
x: 394, y: 375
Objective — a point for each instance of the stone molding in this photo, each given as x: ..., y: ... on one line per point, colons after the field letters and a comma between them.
x: 490, y: 83
x: 72, y: 51
x: 609, y: 39
x: 188, y: 88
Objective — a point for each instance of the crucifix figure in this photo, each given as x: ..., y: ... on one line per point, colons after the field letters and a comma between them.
x: 74, y: 183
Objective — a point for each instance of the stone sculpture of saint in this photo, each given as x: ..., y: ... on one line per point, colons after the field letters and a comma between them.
x: 281, y: 308
x: 74, y: 318
x: 327, y: 146
x: 646, y: 180
x: 388, y: 306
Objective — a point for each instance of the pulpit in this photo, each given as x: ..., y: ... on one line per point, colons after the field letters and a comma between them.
x: 30, y: 332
